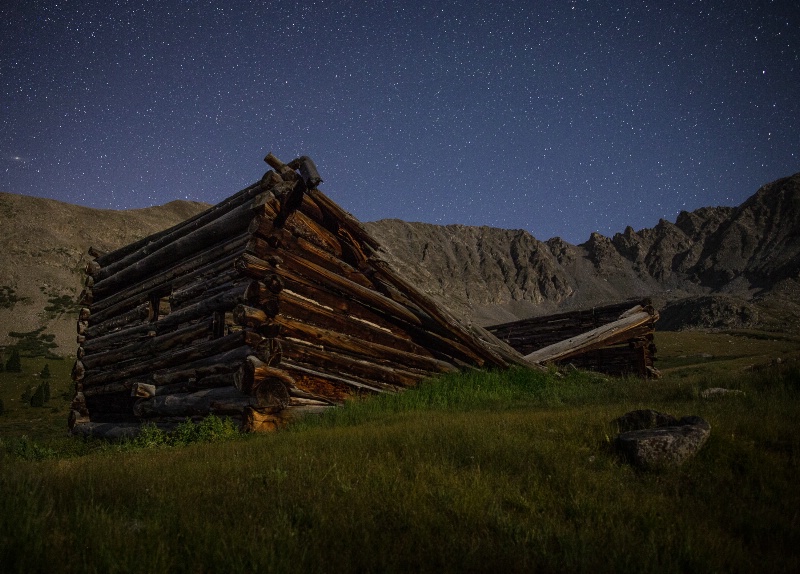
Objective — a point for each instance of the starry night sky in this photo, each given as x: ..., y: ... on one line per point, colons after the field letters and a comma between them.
x: 559, y: 117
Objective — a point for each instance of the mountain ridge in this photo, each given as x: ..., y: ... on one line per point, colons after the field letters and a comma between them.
x: 712, y: 267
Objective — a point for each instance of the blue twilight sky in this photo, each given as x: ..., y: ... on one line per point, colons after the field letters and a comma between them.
x: 559, y: 117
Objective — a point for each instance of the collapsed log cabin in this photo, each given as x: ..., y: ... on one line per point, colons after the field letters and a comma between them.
x: 613, y: 339
x: 273, y: 303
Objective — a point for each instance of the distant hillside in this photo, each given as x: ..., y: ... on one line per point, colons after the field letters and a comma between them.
x: 43, y: 253
x: 713, y: 267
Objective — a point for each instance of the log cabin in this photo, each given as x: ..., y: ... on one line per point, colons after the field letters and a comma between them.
x: 616, y: 339
x: 273, y: 303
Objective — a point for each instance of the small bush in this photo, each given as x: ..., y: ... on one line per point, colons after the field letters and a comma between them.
x: 27, y: 449
x: 210, y: 429
x: 45, y: 374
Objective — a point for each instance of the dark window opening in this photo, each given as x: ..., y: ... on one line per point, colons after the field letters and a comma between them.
x: 160, y: 306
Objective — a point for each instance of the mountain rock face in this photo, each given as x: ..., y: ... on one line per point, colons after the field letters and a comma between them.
x: 710, y: 266
x: 713, y: 267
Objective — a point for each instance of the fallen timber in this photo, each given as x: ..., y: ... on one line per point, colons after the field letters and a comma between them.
x: 614, y: 339
x: 272, y: 304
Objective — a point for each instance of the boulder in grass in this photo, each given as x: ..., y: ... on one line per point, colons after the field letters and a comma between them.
x: 669, y: 445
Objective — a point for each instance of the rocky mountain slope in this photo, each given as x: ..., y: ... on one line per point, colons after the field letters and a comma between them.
x: 714, y: 267
x: 43, y: 249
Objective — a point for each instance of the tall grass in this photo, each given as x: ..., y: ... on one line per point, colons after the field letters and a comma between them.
x: 495, y: 472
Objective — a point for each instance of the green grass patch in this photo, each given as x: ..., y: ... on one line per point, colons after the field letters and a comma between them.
x: 494, y: 472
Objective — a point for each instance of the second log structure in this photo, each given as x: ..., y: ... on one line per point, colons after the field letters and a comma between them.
x: 616, y: 339
x: 272, y: 303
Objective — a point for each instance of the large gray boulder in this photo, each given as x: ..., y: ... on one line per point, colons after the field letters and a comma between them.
x: 669, y: 444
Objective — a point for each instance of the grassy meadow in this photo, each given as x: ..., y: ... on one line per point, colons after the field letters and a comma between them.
x: 480, y: 472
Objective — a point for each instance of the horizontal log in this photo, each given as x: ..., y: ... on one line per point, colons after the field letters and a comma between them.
x: 213, y: 364
x: 173, y: 358
x: 204, y: 287
x: 220, y: 401
x: 96, y: 327
x: 184, y: 336
x: 225, y: 301
x: 207, y: 262
x: 374, y: 352
x: 339, y: 363
x: 110, y: 388
x: 125, y: 272
x: 350, y: 383
x: 294, y: 305
x: 157, y: 240
x: 281, y: 244
x: 140, y: 296
x: 331, y: 299
x: 345, y: 287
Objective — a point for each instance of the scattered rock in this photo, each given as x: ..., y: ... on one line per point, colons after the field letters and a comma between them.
x: 717, y: 392
x: 670, y: 444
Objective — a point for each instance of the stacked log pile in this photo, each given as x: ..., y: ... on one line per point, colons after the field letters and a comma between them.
x: 272, y: 303
x: 615, y: 339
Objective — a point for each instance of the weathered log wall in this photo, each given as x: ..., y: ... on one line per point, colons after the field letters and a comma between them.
x: 579, y: 338
x: 272, y: 303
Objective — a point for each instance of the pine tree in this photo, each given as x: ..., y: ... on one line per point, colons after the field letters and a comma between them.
x: 37, y: 400
x: 46, y: 391
x: 45, y: 374
x: 26, y: 395
x: 14, y: 364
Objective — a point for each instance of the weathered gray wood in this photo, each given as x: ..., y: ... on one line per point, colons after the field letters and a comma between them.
x: 173, y: 358
x: 153, y: 242
x: 223, y: 400
x: 213, y: 233
x: 366, y: 350
x: 160, y: 344
x: 206, y: 264
x: 294, y: 305
x: 388, y: 377
x: 604, y: 335
x: 225, y: 301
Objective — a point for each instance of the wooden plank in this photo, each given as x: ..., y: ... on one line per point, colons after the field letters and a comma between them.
x: 607, y: 334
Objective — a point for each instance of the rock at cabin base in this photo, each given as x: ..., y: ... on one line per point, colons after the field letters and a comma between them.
x: 662, y: 446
